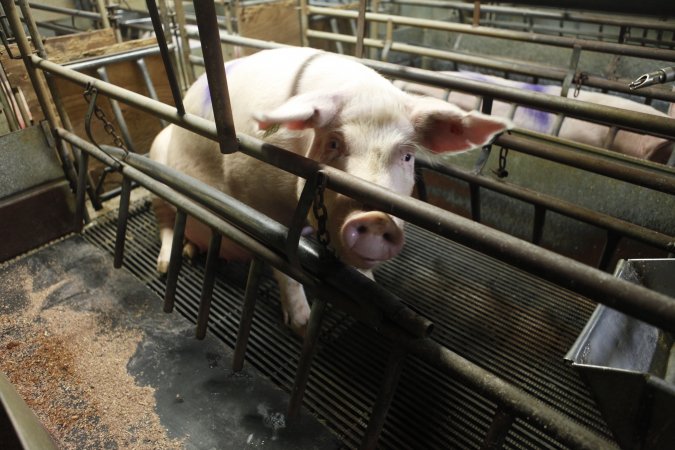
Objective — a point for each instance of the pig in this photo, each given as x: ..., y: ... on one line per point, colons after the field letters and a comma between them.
x: 333, y: 110
x: 642, y: 146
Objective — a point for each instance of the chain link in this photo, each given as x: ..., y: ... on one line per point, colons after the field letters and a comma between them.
x: 321, y: 212
x: 108, y: 127
x: 579, y: 79
x: 501, y: 172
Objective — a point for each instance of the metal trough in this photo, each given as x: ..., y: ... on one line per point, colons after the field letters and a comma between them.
x: 629, y: 365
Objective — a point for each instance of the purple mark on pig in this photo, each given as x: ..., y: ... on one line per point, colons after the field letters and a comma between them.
x: 536, y: 120
x: 229, y: 67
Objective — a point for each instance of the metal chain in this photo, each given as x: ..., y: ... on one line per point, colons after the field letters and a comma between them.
x: 321, y: 212
x: 501, y: 172
x: 100, y: 115
x: 579, y: 80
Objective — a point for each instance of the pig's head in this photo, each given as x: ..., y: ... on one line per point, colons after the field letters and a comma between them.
x: 375, y: 136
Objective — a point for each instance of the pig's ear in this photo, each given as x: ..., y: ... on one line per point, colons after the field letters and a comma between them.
x: 444, y: 127
x: 312, y: 110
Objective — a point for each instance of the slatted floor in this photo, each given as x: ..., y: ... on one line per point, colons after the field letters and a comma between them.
x: 502, y: 319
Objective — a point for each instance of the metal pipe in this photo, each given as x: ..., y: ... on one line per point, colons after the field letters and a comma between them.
x: 558, y: 41
x: 217, y: 80
x: 67, y: 11
x: 122, y: 219
x: 250, y: 297
x: 140, y: 62
x: 360, y: 28
x: 166, y: 57
x: 95, y: 63
x: 175, y: 260
x: 207, y: 284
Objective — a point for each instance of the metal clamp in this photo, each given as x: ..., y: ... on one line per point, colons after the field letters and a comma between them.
x: 660, y: 76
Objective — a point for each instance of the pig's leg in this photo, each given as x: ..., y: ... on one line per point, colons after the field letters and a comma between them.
x: 293, y: 302
x: 166, y: 216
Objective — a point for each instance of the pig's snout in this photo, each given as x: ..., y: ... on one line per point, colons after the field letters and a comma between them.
x: 369, y: 238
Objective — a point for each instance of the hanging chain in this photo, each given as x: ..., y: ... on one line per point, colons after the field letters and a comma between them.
x: 579, y: 79
x: 501, y: 172
x: 320, y: 211
x: 100, y: 115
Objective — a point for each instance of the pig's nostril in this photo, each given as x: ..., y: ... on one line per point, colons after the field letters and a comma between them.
x: 388, y: 237
x: 362, y: 229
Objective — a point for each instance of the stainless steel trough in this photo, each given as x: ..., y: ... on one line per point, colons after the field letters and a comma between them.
x: 629, y: 365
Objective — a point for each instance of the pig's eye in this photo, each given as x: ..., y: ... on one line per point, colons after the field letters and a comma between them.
x: 335, y: 146
x: 408, y: 157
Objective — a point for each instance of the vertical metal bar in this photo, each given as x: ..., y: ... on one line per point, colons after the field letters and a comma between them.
x: 207, y: 285
x: 421, y: 185
x: 611, y: 243
x: 175, y: 261
x: 254, y: 274
x: 538, y: 225
x: 574, y: 63
x: 308, y: 350
x: 360, y: 29
x: 486, y: 108
x: 474, y: 191
x: 184, y: 42
x: 83, y: 167
x: 100, y: 6
x: 304, y: 23
x: 122, y: 219
x: 499, y: 429
x: 609, y: 137
x: 334, y: 28
x: 385, y: 396
x: 140, y: 62
x: 166, y: 57
x: 300, y: 218
x: 117, y: 111
x: 476, y: 13
x: 209, y: 35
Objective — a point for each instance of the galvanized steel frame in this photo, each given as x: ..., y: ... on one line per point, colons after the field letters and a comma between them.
x: 390, y: 317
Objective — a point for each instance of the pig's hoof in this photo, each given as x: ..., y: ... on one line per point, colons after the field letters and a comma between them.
x: 162, y: 266
x: 189, y: 250
x: 297, y: 322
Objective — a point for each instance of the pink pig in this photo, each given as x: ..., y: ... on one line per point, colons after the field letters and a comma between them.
x: 330, y: 109
x: 629, y: 143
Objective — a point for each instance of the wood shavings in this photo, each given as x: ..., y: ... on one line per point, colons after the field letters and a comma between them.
x: 70, y: 366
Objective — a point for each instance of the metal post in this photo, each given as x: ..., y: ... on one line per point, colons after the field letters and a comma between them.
x: 385, y: 396
x: 213, y: 60
x: 175, y: 261
x: 252, y: 285
x: 122, y: 219
x: 207, y: 285
x: 100, y: 6
x: 183, y: 42
x: 166, y: 57
x: 308, y: 351
x: 81, y: 187
x: 499, y: 429
x: 149, y: 84
x: 360, y: 29
x: 538, y: 224
x: 474, y: 191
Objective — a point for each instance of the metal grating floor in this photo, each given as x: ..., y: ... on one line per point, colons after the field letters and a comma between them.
x: 502, y: 319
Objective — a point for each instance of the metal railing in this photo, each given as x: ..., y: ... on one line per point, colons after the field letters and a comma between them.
x: 274, y: 244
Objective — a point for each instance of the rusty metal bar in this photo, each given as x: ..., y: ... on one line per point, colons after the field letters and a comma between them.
x: 122, y: 220
x: 213, y: 58
x: 207, y: 284
x: 360, y: 28
x: 175, y: 261
x: 82, y: 170
x: 499, y: 429
x: 250, y: 297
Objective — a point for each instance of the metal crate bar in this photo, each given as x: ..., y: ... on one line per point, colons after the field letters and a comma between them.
x: 558, y: 41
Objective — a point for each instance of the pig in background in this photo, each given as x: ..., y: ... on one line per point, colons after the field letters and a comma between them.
x: 335, y: 111
x: 642, y: 146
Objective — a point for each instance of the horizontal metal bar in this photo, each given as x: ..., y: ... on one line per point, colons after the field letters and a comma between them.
x: 546, y: 14
x: 130, y: 55
x: 66, y: 11
x: 628, y: 229
x: 557, y: 41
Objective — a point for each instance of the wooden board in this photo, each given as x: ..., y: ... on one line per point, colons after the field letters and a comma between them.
x: 277, y: 22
